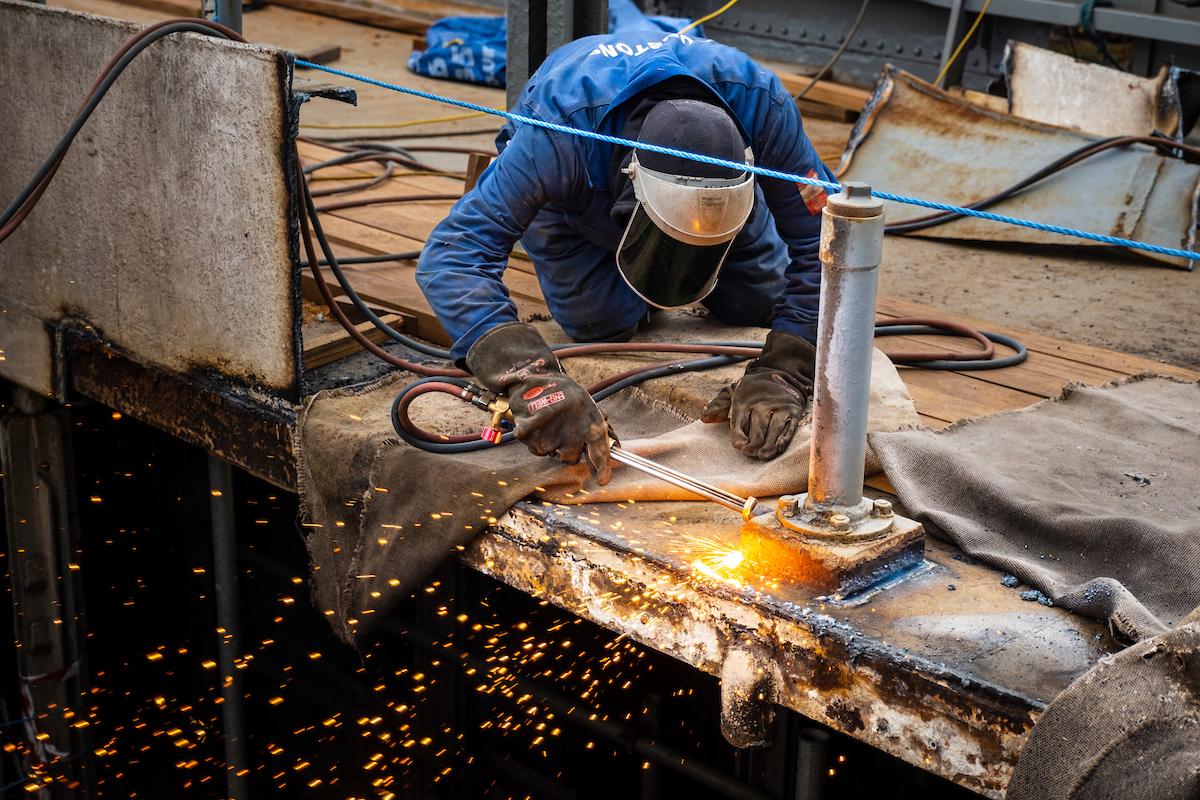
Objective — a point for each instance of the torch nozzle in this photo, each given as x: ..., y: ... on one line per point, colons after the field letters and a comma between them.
x: 747, y: 506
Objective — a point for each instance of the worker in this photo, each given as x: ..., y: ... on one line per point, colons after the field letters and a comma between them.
x: 614, y: 232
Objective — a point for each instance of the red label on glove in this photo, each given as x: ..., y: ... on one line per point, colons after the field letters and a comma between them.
x: 787, y: 387
x: 548, y: 400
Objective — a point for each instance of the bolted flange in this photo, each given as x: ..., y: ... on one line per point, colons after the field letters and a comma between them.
x: 869, y: 520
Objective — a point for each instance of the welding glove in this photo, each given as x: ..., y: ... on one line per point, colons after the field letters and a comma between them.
x: 766, y: 405
x: 553, y: 415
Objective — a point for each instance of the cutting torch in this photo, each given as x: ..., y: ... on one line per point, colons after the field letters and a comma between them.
x: 747, y: 506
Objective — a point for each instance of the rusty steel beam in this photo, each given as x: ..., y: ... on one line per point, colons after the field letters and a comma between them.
x: 253, y: 432
x: 951, y: 681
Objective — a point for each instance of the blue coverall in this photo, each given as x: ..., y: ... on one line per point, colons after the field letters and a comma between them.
x: 551, y: 191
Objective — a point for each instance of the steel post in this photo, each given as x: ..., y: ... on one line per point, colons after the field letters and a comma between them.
x: 851, y: 251
x: 954, y: 31
x: 46, y: 592
x: 229, y: 14
x: 812, y: 764
x: 846, y: 543
x: 224, y: 530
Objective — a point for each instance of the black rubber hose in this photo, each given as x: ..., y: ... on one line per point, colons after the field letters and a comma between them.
x: 669, y: 369
x: 380, y: 259
x: 332, y: 263
x: 467, y: 447
x: 439, y: 447
x: 356, y: 156
x: 958, y: 366
x: 1055, y: 166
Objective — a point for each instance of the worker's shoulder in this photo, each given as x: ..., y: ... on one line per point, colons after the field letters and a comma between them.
x: 642, y: 48
x: 598, y: 71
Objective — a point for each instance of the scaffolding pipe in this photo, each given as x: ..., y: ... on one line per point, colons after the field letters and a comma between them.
x: 812, y: 764
x: 224, y: 532
x: 851, y: 251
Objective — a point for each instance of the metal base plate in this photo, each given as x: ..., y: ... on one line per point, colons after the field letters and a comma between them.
x: 838, y: 569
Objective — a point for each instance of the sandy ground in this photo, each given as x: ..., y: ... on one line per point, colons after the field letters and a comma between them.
x: 1093, y: 295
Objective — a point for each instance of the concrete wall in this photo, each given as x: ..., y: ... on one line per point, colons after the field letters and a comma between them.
x: 167, y: 228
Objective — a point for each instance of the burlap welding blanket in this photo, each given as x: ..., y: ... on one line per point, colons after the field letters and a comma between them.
x: 1093, y: 497
x: 1127, y: 730
x: 380, y: 515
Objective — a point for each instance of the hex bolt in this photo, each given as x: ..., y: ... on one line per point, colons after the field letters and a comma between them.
x: 789, y: 504
x: 840, y: 522
x: 881, y: 508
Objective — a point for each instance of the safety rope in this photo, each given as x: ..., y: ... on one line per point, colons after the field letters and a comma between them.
x: 770, y: 173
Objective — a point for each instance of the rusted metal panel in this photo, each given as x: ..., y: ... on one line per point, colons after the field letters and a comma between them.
x: 951, y: 681
x: 250, y: 430
x: 171, y: 225
x: 916, y: 140
x: 1053, y: 88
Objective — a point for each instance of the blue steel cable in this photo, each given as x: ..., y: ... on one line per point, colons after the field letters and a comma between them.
x: 770, y: 173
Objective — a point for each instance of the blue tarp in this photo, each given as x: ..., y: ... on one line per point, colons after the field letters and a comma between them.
x: 472, y: 49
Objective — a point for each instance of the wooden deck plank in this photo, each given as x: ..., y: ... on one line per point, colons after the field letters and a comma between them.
x: 834, y: 94
x: 375, y: 241
x: 370, y: 240
x: 330, y: 347
x: 415, y: 220
x: 521, y: 286
x: 1041, y: 374
x: 397, y: 295
x: 951, y: 396
x: 1036, y: 342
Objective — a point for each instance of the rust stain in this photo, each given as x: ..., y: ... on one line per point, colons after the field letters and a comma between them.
x: 1118, y: 228
x: 253, y: 432
x: 848, y: 718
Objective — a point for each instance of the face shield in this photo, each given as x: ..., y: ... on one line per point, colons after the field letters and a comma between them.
x: 680, y: 232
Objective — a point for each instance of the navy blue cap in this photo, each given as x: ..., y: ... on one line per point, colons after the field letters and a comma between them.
x: 696, y: 127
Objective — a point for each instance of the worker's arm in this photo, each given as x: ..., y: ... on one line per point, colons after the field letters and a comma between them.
x: 463, y: 262
x: 460, y: 273
x: 783, y: 146
x: 766, y: 405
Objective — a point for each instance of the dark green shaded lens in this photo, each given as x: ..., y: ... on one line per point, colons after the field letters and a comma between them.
x: 664, y: 271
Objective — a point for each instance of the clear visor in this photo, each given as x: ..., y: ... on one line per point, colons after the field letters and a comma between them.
x: 663, y: 270
x: 699, y: 211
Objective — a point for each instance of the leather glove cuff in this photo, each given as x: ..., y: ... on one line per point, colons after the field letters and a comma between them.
x: 791, y: 357
x: 509, y: 354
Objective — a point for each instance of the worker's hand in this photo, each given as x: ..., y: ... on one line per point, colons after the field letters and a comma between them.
x: 766, y: 405
x: 553, y: 415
